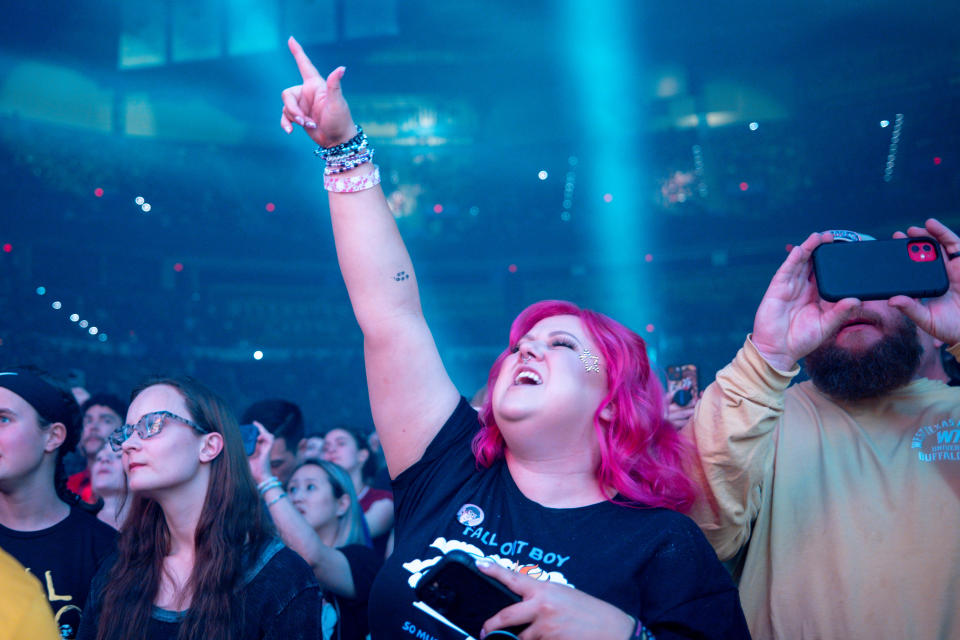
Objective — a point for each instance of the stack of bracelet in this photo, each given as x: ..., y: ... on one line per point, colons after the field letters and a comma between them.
x: 271, y: 483
x: 345, y: 156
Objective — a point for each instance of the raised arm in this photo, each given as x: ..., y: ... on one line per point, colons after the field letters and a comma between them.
x: 732, y: 429
x: 411, y: 395
x: 328, y: 564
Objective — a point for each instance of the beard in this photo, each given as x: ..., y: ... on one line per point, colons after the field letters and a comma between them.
x: 890, y: 363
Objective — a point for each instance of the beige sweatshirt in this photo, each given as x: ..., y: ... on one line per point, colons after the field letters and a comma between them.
x: 852, y: 510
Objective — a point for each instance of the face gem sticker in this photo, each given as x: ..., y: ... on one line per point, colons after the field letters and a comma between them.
x: 590, y: 361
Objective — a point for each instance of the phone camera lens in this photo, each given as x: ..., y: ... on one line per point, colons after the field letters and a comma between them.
x: 927, y: 248
x: 915, y: 249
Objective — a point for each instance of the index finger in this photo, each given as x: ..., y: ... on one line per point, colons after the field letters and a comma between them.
x: 520, y: 585
x: 307, y: 70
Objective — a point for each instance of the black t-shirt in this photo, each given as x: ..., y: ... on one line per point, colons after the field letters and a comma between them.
x: 351, y: 613
x: 280, y: 601
x: 64, y: 558
x: 652, y: 563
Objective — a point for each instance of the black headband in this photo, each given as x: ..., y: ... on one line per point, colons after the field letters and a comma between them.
x: 51, y: 403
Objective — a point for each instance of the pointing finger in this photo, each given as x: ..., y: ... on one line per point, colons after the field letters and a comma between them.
x: 307, y: 70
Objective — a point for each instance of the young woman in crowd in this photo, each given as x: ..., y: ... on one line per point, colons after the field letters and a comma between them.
x: 348, y: 448
x: 197, y: 557
x: 109, y: 484
x: 568, y: 486
x: 43, y: 525
x: 319, y: 517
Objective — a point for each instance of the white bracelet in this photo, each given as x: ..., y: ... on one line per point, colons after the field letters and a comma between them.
x: 352, y: 184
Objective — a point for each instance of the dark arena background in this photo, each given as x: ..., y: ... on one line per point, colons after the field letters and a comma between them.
x: 648, y: 159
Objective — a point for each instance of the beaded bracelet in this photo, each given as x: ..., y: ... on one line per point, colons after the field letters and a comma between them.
x: 352, y: 184
x: 343, y: 148
x: 351, y: 162
x: 277, y: 499
x: 347, y: 157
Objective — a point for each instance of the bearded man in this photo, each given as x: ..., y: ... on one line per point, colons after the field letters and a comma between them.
x: 841, y: 494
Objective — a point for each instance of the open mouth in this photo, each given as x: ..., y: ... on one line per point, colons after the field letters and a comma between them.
x: 527, y: 376
x: 857, y: 322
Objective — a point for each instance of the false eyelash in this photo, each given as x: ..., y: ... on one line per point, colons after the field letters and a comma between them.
x: 564, y: 342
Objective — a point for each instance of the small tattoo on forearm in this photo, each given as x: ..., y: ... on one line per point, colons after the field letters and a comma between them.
x: 401, y: 276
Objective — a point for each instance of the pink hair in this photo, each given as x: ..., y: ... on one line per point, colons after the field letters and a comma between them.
x: 641, y: 455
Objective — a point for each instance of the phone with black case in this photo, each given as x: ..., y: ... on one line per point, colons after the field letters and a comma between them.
x: 880, y: 269
x: 456, y: 589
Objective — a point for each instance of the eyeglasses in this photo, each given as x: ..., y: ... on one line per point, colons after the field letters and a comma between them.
x: 147, y: 427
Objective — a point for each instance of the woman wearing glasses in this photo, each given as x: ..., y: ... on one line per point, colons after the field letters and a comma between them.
x: 197, y: 557
x: 318, y: 515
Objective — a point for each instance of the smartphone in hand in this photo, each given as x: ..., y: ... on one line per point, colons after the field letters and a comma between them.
x: 457, y: 590
x: 880, y: 269
x: 682, y: 383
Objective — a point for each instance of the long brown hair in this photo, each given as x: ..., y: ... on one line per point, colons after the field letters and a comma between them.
x: 232, y: 530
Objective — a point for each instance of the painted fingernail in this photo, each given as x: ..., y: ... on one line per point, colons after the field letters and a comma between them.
x: 299, y: 120
x: 311, y: 124
x: 484, y: 562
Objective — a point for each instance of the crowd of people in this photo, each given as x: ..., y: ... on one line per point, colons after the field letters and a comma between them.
x: 573, y: 482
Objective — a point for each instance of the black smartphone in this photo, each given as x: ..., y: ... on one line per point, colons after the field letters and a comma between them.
x: 682, y: 383
x: 456, y: 589
x: 249, y: 433
x: 880, y: 269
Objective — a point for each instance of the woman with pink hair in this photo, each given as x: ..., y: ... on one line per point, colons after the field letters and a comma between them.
x: 566, y: 489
